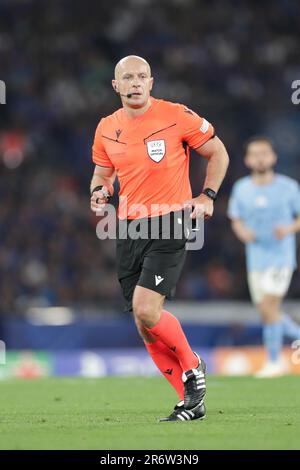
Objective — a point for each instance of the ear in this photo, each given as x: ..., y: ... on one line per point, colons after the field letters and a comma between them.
x: 114, y: 85
x: 151, y: 83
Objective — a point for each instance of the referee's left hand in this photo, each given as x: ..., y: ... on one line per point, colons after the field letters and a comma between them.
x: 201, y: 206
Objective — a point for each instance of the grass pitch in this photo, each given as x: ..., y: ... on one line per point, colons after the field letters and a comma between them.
x: 121, y: 413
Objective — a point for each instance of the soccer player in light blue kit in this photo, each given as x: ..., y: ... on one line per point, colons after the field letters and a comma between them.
x: 264, y: 209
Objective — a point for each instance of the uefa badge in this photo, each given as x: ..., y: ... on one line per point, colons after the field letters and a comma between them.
x: 156, y: 150
x: 204, y: 127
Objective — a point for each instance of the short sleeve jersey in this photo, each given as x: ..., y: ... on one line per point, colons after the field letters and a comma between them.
x: 262, y: 208
x: 150, y: 154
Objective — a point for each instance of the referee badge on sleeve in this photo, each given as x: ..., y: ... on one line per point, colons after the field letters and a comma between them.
x: 156, y: 150
x: 204, y: 127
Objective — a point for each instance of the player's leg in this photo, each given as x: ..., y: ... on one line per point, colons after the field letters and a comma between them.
x: 269, y: 308
x: 162, y: 264
x: 272, y: 331
x: 275, y: 285
x: 271, y: 311
x: 162, y: 325
x: 165, y: 327
x: 162, y: 260
x: 163, y: 357
x: 167, y: 362
x: 129, y: 260
x: 267, y: 290
x: 290, y: 328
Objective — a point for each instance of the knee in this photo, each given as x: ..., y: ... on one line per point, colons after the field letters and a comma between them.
x: 267, y: 311
x: 143, y: 332
x: 266, y: 317
x: 146, y: 314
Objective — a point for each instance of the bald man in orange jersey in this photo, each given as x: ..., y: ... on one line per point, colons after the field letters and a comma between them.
x: 146, y: 145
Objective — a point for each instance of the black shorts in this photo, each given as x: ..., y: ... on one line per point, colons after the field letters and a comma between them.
x: 154, y: 263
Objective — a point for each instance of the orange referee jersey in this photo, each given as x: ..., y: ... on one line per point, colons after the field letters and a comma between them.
x: 150, y: 154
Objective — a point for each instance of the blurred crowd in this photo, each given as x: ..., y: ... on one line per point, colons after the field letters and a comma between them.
x: 233, y: 62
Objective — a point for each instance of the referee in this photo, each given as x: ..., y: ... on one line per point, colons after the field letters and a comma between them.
x: 146, y: 145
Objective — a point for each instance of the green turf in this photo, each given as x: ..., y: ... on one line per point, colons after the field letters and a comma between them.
x: 121, y: 413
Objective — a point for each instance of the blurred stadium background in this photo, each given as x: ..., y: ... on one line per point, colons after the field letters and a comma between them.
x: 61, y: 306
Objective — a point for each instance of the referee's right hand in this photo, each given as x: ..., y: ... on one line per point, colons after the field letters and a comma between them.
x: 99, y: 199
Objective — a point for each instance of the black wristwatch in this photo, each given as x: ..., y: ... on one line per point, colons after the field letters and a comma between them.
x: 98, y: 188
x: 210, y: 193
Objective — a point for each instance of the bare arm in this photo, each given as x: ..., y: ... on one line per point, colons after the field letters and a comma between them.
x: 103, y: 176
x: 282, y: 230
x: 243, y: 233
x: 295, y: 226
x: 246, y: 235
x: 218, y: 160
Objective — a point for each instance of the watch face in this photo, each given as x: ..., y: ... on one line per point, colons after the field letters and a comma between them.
x: 210, y: 193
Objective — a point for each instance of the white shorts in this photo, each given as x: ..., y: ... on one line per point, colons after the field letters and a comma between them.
x: 272, y: 281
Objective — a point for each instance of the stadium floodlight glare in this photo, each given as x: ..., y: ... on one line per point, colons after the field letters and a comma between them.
x: 55, y: 316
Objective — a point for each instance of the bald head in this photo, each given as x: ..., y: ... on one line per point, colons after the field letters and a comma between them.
x: 131, y: 61
x: 133, y: 82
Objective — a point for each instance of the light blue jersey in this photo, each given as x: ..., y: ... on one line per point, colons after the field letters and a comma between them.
x: 262, y: 208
